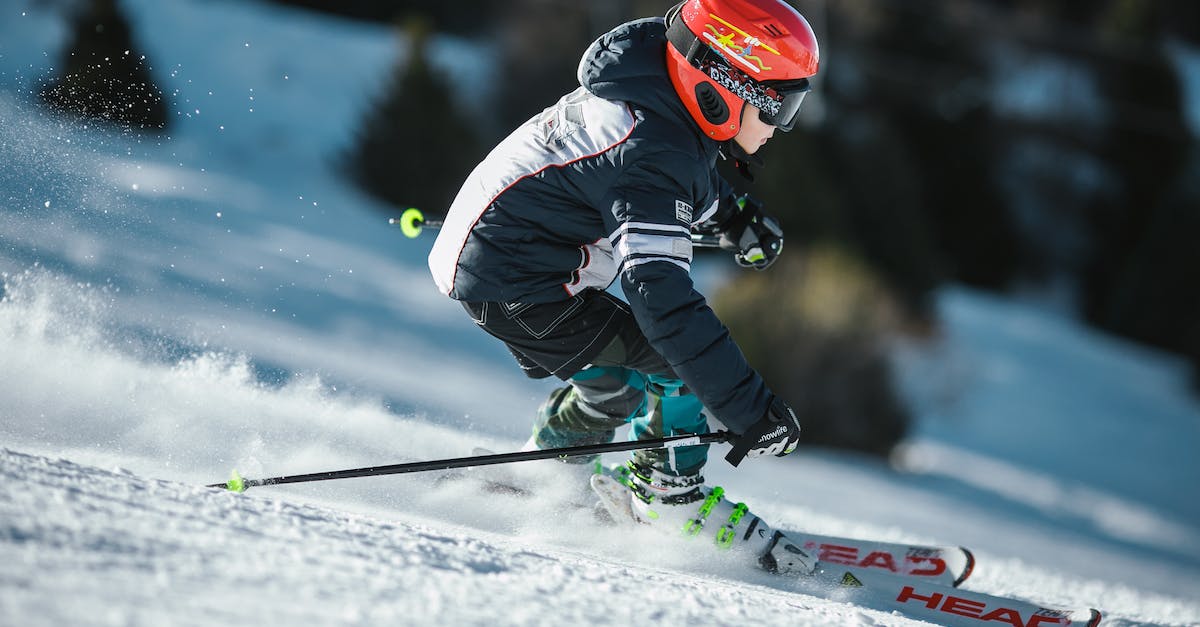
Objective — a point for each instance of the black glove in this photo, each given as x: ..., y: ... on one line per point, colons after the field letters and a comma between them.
x: 777, y: 433
x: 755, y: 237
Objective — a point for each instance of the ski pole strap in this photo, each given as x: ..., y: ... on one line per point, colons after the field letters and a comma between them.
x: 743, y: 443
x: 483, y: 460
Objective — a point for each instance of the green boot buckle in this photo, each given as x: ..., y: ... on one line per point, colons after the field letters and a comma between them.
x: 693, y: 526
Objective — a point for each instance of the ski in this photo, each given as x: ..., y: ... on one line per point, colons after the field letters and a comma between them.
x: 942, y: 565
x: 918, y: 581
x: 944, y: 605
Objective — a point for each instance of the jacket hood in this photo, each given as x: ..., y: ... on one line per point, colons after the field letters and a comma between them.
x: 629, y: 63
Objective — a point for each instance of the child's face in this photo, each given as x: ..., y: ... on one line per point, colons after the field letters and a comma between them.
x: 754, y: 132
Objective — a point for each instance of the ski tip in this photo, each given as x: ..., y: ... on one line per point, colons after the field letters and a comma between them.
x: 1095, y: 619
x: 968, y: 569
x: 235, y: 483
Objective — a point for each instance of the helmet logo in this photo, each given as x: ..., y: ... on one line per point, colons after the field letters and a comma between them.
x: 743, y: 54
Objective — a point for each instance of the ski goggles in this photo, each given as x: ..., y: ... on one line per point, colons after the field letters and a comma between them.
x: 789, y: 95
x: 778, y: 102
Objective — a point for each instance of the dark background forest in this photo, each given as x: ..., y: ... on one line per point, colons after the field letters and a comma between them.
x: 1033, y: 148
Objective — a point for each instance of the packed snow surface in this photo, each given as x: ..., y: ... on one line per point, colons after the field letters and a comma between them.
x: 172, y: 308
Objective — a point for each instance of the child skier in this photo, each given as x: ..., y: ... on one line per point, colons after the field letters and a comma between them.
x: 611, y: 182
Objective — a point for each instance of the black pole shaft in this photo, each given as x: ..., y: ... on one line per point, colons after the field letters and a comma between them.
x: 488, y: 460
x: 698, y: 239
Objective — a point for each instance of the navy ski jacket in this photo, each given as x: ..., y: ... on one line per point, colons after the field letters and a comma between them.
x: 607, y: 183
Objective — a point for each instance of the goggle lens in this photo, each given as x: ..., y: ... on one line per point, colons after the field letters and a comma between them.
x: 789, y: 109
x: 778, y: 103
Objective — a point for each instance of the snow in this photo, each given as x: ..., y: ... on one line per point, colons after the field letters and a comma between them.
x: 174, y: 308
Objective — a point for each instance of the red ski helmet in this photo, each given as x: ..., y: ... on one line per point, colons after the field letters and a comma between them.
x: 725, y: 53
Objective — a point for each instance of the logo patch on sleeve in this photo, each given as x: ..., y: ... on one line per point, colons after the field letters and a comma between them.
x: 683, y: 212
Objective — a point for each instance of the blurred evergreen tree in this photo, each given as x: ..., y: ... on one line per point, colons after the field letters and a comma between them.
x: 855, y: 183
x: 540, y: 42
x: 414, y: 148
x: 901, y: 168
x: 1153, y: 295
x: 468, y: 18
x: 925, y: 79
x: 1141, y: 276
x: 104, y: 76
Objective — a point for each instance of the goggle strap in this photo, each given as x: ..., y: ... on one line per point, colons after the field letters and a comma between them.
x: 686, y: 43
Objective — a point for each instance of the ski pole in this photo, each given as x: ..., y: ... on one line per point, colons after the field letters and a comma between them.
x: 413, y: 220
x: 238, y: 484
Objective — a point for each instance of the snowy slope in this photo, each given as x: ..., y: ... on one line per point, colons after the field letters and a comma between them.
x: 80, y: 538
x: 171, y: 309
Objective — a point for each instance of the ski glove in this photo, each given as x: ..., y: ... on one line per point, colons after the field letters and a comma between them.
x: 777, y: 433
x: 755, y: 237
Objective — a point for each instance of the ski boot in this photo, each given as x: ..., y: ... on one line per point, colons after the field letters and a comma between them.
x: 684, y: 505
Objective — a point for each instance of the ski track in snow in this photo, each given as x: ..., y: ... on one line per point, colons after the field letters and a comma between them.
x: 174, y: 308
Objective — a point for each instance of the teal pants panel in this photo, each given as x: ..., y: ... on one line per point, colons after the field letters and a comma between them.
x: 601, y: 398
